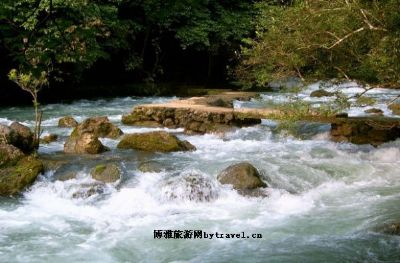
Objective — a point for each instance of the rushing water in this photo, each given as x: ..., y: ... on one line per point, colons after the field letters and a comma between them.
x: 325, y: 200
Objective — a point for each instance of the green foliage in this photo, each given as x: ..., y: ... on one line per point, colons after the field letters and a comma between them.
x: 323, y: 40
x: 28, y: 81
x: 60, y: 37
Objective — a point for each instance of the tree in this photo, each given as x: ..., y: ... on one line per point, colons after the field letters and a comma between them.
x: 343, y: 39
x: 197, y: 25
x: 33, y: 84
x: 61, y: 37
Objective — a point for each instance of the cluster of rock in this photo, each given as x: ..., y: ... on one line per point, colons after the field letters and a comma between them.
x: 85, y: 137
x: 365, y: 130
x: 18, y: 169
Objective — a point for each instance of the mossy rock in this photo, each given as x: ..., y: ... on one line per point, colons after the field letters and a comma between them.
x: 107, y: 173
x: 242, y: 176
x: 16, y: 178
x: 98, y: 126
x: 321, y: 93
x: 67, y: 122
x: 131, y: 118
x: 159, y: 141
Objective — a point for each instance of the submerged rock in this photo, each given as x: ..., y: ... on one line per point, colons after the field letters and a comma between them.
x: 84, y: 143
x: 242, y: 176
x: 190, y: 187
x: 14, y: 179
x: 88, y: 190
x: 9, y: 155
x: 99, y: 127
x: 49, y: 138
x: 321, y: 93
x: 159, y: 141
x: 107, y: 173
x: 67, y: 176
x: 67, y: 122
x: 151, y: 167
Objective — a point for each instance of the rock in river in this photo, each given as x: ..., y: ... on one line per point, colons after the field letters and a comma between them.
x: 84, y: 143
x: 151, y: 167
x: 242, y: 176
x: 190, y: 187
x: 18, y: 135
x: 49, y: 138
x: 159, y: 141
x: 14, y: 179
x: 100, y: 127
x: 107, y: 173
x: 321, y: 93
x: 67, y: 122
x: 9, y: 155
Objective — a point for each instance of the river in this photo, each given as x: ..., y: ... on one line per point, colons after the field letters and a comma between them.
x: 326, y: 201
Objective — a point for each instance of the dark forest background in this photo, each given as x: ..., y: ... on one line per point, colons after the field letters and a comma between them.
x: 89, y: 48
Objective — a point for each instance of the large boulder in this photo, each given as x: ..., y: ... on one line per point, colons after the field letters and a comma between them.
x: 7, y: 135
x: 14, y: 179
x: 18, y: 135
x: 86, y: 143
x: 100, y: 127
x: 321, y: 93
x: 158, y: 141
x: 9, y: 155
x: 67, y: 122
x: 107, y: 173
x: 242, y: 176
x: 24, y: 138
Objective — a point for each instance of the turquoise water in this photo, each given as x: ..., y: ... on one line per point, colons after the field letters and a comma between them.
x: 325, y: 200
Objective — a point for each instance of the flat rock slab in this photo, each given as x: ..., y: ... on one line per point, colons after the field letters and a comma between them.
x: 197, y: 114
